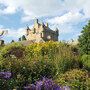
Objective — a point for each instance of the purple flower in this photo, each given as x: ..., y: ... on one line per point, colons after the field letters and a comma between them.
x: 46, y: 84
x: 56, y: 87
x: 38, y: 87
x: 39, y: 83
x: 66, y: 88
x: 30, y: 86
x: 5, y: 74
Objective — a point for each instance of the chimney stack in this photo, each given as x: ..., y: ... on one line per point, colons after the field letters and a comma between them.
x: 46, y: 24
x: 36, y: 21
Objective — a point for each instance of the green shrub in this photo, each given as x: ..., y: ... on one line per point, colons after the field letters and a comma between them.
x: 7, y: 84
x: 75, y: 79
x: 65, y: 59
x: 14, y: 49
x: 37, y: 49
x: 28, y: 70
x: 86, y: 61
x: 75, y: 49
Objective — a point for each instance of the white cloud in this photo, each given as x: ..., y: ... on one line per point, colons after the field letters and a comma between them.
x: 39, y: 8
x: 42, y: 8
x: 33, y: 8
x: 15, y: 34
x: 67, y: 18
x: 65, y: 22
x: 62, y: 28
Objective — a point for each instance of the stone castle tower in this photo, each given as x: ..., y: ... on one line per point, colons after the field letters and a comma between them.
x: 41, y: 32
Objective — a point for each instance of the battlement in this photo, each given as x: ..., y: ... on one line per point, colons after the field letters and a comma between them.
x: 41, y: 31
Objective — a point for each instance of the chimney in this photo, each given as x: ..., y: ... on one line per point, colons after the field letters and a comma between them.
x: 72, y: 40
x: 46, y: 24
x: 57, y: 31
x: 27, y: 32
x: 36, y: 21
x: 42, y: 24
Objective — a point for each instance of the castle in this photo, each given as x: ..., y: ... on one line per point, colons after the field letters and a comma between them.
x: 74, y: 42
x: 41, y: 32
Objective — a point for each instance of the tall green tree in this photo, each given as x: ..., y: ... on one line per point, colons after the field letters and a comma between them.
x: 23, y: 37
x: 12, y: 41
x: 19, y: 39
x: 84, y: 40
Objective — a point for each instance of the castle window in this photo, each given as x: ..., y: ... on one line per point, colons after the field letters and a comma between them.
x: 41, y: 35
x: 34, y: 31
x: 49, y: 37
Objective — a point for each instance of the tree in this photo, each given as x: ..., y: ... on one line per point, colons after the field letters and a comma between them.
x: 19, y: 39
x: 12, y: 41
x: 23, y: 37
x: 84, y: 40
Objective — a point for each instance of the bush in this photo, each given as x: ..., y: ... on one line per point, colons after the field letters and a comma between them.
x: 14, y: 49
x: 29, y: 64
x: 75, y: 79
x: 37, y: 49
x: 46, y: 84
x: 65, y: 58
x: 75, y: 49
x: 9, y: 83
x: 86, y: 61
x: 28, y: 70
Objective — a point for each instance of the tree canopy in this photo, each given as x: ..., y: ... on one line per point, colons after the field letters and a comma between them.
x: 23, y: 38
x: 12, y: 41
x: 84, y: 40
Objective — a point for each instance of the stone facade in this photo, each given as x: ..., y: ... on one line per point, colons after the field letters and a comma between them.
x: 41, y: 32
x: 74, y: 42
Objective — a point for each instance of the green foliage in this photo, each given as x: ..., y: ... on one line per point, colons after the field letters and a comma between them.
x: 9, y: 84
x: 75, y: 49
x: 14, y: 49
x: 32, y: 62
x: 23, y: 37
x: 19, y: 39
x: 65, y: 58
x: 29, y: 70
x: 75, y: 79
x: 84, y: 40
x: 12, y: 41
x: 37, y: 49
x: 86, y: 61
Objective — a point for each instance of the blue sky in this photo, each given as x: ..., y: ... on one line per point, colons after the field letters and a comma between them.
x: 70, y: 16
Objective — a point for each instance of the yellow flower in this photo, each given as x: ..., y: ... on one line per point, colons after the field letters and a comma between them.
x: 29, y: 86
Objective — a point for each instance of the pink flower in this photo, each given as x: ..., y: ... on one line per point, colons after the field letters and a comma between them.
x: 34, y: 62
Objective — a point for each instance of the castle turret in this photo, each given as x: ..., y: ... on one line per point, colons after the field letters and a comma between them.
x: 72, y: 40
x: 42, y: 25
x: 36, y: 21
x: 27, y: 30
x: 56, y: 30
